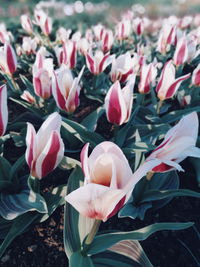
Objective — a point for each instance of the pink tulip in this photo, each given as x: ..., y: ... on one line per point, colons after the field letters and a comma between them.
x: 5, y: 36
x: 167, y: 85
x: 118, y: 102
x: 138, y: 25
x: 66, y: 89
x: 42, y: 73
x: 147, y: 77
x: 67, y: 54
x: 8, y: 59
x: 28, y: 97
x: 166, y: 38
x: 98, y: 31
x: 45, y: 149
x: 179, y: 143
x: 98, y: 62
x: 196, y: 76
x: 3, y: 109
x: 123, y: 29
x: 43, y: 21
x: 108, y: 182
x: 26, y: 24
x: 107, y: 40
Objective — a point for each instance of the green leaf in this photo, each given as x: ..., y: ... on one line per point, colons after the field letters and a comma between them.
x: 17, y: 165
x: 4, y: 227
x: 105, y: 241
x: 79, y: 260
x: 68, y: 163
x: 81, y: 132
x: 90, y: 122
x: 72, y: 241
x: 5, y: 168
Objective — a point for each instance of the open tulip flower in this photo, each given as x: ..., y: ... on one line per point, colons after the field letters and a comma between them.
x: 98, y: 62
x: 66, y: 89
x: 118, y: 102
x: 108, y: 182
x: 3, y: 109
x: 8, y: 59
x: 179, y: 143
x: 167, y: 85
x: 45, y: 149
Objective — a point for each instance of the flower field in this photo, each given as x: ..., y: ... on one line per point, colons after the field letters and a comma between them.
x: 99, y: 136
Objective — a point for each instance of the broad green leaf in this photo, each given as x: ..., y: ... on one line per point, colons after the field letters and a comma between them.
x: 79, y: 260
x: 4, y: 227
x: 178, y: 114
x: 90, y: 122
x: 68, y: 163
x: 105, y: 241
x: 5, y: 168
x: 133, y: 250
x: 17, y: 165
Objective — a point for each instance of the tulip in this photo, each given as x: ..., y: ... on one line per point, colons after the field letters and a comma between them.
x: 98, y: 31
x: 147, y: 77
x: 167, y: 84
x: 5, y: 36
x: 45, y: 149
x: 26, y: 24
x: 63, y: 35
x: 67, y: 54
x: 28, y: 97
x: 98, y: 62
x: 196, y: 76
x: 29, y: 45
x: 179, y: 143
x: 123, y: 30
x: 166, y: 38
x: 8, y: 59
x: 118, y: 102
x: 43, y: 21
x: 3, y: 109
x: 66, y: 89
x: 108, y: 181
x: 107, y: 40
x: 123, y: 66
x: 42, y: 73
x: 83, y: 46
x: 138, y: 25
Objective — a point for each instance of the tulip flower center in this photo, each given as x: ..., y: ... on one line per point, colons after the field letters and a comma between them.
x: 102, y: 171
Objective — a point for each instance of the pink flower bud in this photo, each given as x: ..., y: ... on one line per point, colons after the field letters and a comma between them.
x: 107, y: 40
x: 45, y: 149
x: 98, y: 62
x: 123, y: 29
x: 8, y: 59
x: 118, y: 102
x: 3, y: 109
x: 167, y: 85
x: 178, y: 144
x: 196, y: 76
x: 43, y: 21
x: 147, y: 77
x: 26, y: 24
x: 28, y: 97
x: 66, y: 89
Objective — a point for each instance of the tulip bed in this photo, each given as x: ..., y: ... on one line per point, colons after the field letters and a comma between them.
x: 102, y: 122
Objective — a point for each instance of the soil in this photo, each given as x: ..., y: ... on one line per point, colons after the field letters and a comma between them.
x: 43, y: 245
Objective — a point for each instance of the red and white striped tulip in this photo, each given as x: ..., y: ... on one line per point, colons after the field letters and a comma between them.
x: 67, y: 54
x: 108, y: 181
x: 8, y: 59
x: 5, y: 36
x: 196, y: 76
x: 43, y: 21
x: 123, y: 66
x: 107, y: 40
x: 98, y: 62
x: 3, y: 109
x: 138, y: 26
x: 42, y: 74
x: 123, y: 30
x: 66, y: 89
x: 98, y: 31
x: 179, y: 143
x: 45, y: 149
x: 167, y: 85
x: 148, y: 75
x: 29, y: 45
x: 166, y: 38
x: 119, y: 102
x: 26, y: 23
x: 27, y: 96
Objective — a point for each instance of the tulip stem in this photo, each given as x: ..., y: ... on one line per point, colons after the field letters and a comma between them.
x: 93, y: 232
x: 160, y: 103
x: 149, y: 175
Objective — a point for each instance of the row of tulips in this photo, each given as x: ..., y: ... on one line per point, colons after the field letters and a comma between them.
x: 134, y: 75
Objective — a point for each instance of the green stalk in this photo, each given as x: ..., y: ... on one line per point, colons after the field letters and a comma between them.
x: 93, y: 232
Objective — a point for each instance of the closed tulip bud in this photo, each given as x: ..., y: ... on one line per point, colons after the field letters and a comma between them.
x: 98, y: 62
x: 8, y: 59
x: 196, y: 76
x: 118, y: 102
x: 98, y: 31
x: 147, y: 77
x: 45, y: 149
x: 107, y: 40
x: 108, y: 182
x: 66, y: 89
x: 179, y: 143
x: 69, y: 54
x: 43, y: 21
x: 166, y: 38
x: 167, y: 85
x: 123, y: 30
x: 28, y: 97
x: 181, y: 51
x: 138, y: 26
x: 26, y: 24
x: 3, y: 109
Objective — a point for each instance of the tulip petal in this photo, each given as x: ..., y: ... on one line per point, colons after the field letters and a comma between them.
x: 30, y: 143
x: 60, y: 99
x: 95, y: 201
x: 84, y: 162
x: 10, y: 58
x: 175, y: 85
